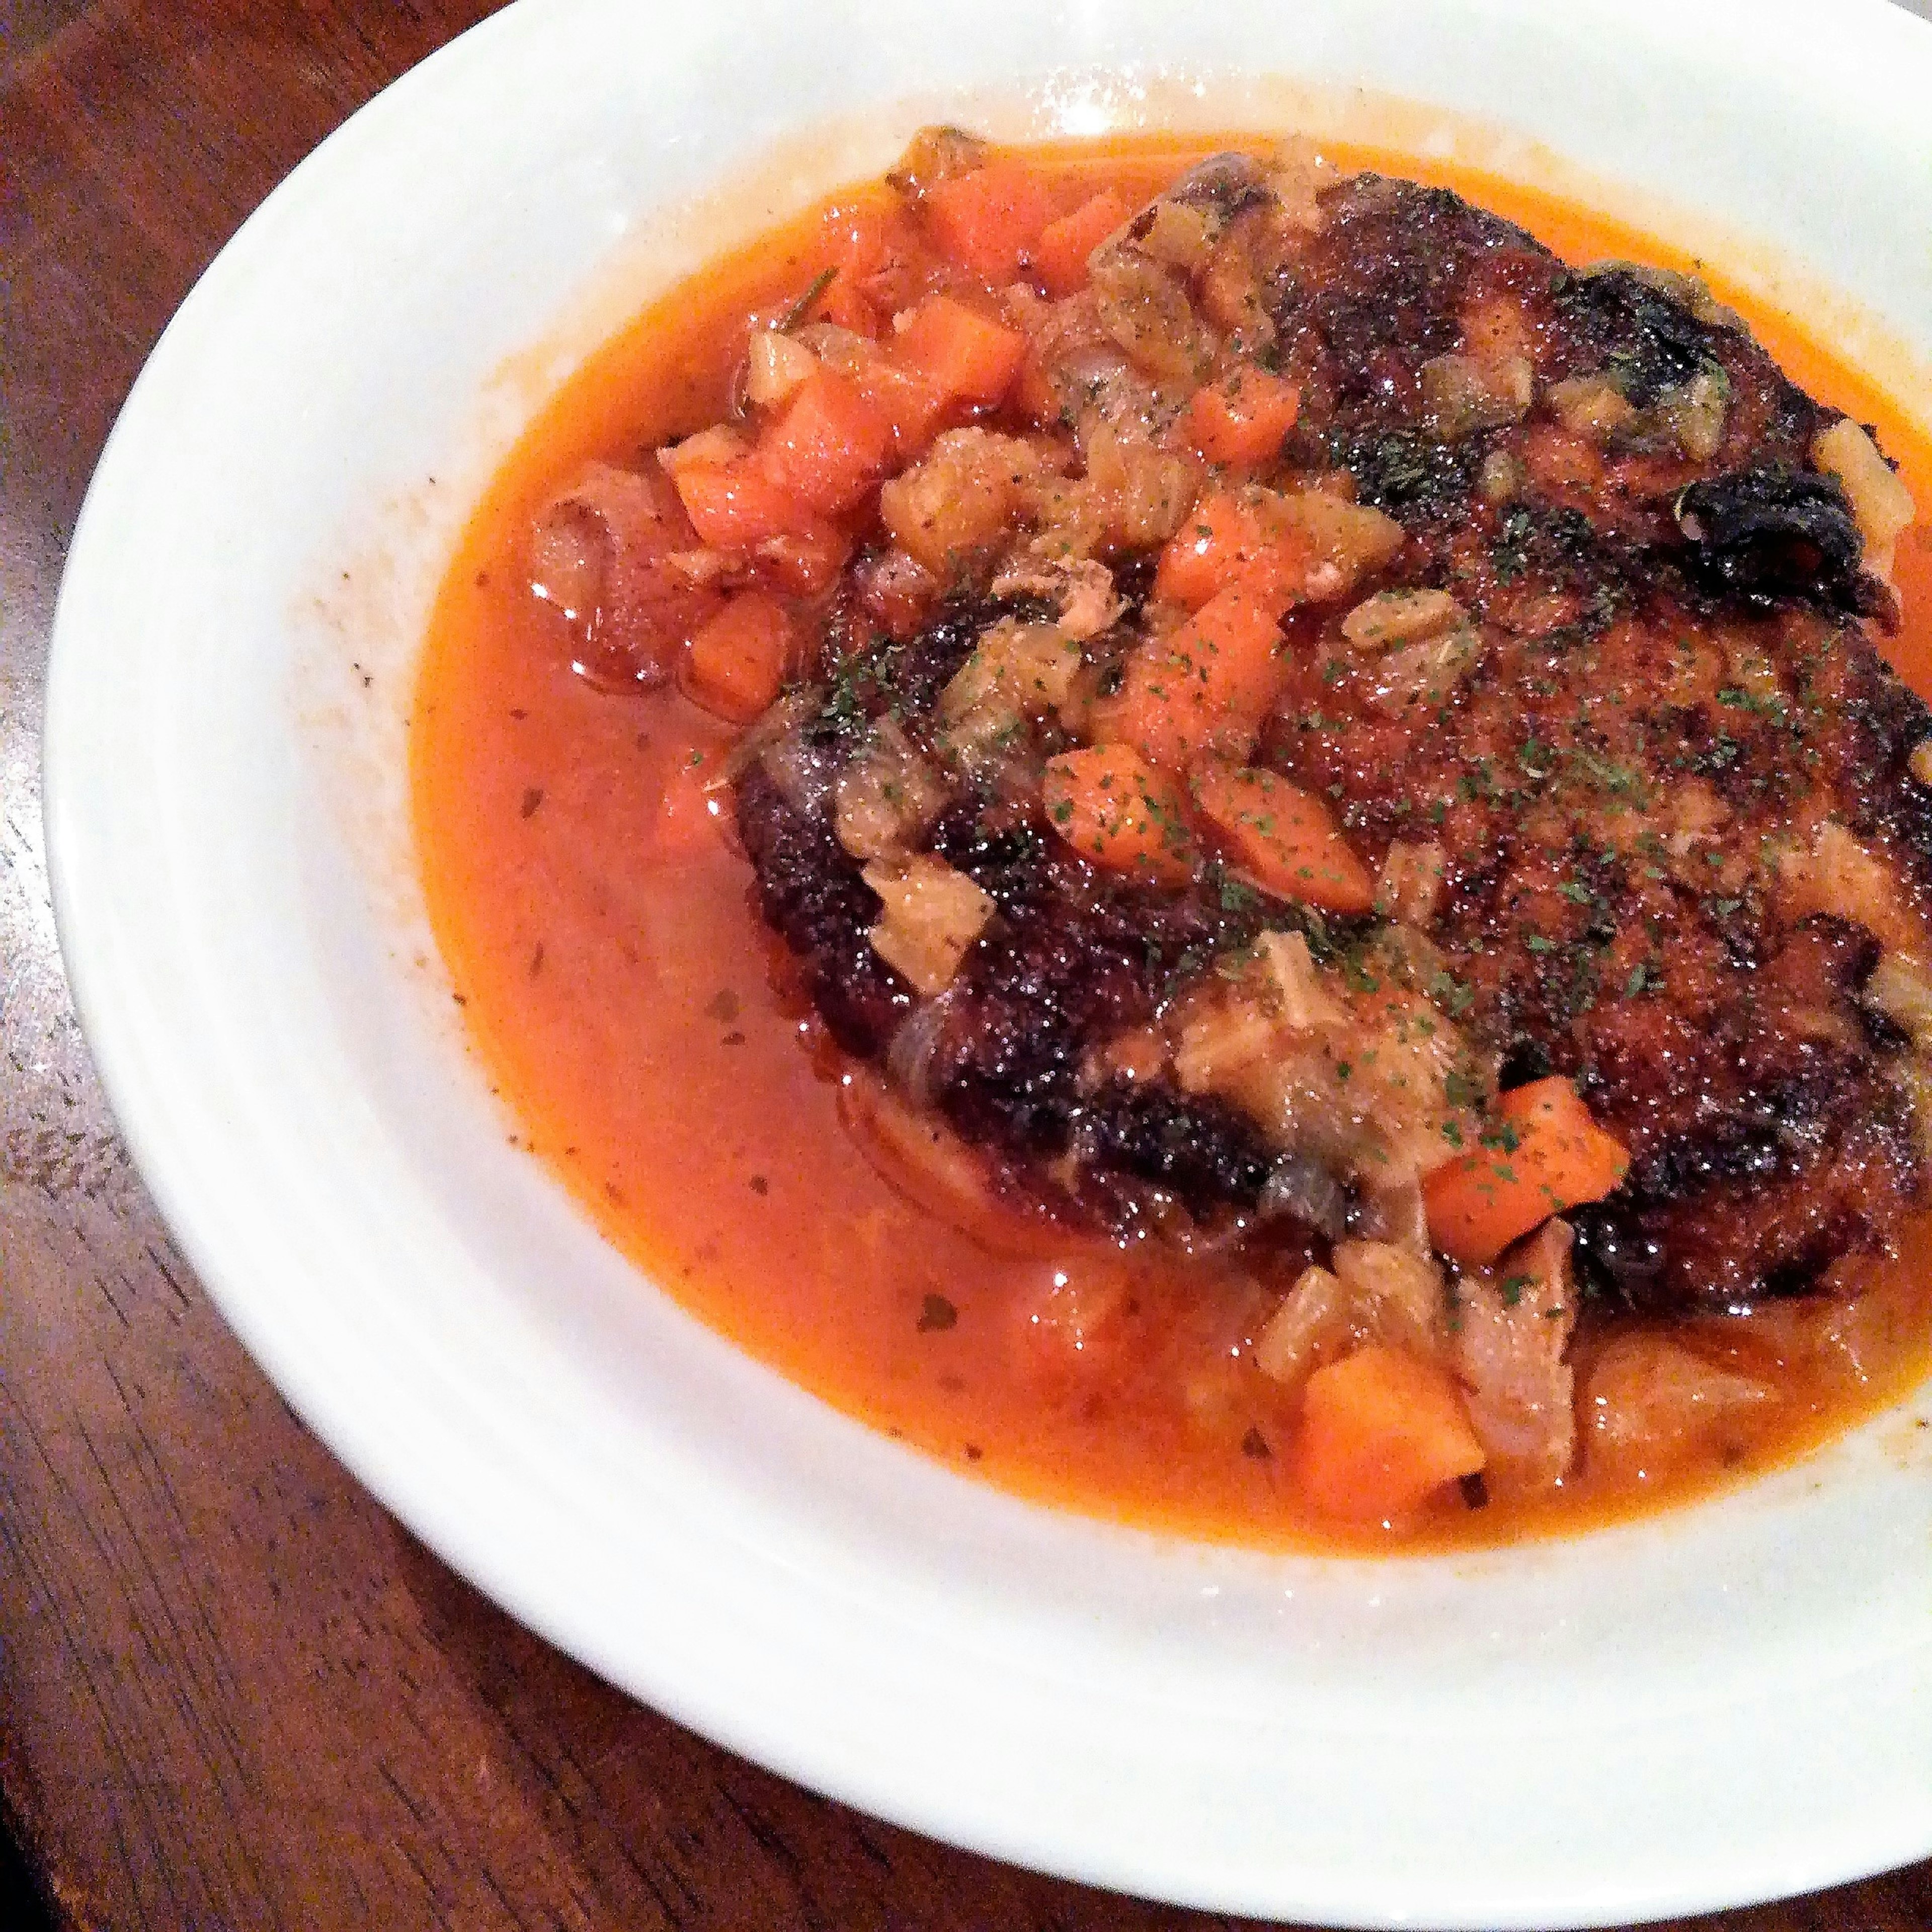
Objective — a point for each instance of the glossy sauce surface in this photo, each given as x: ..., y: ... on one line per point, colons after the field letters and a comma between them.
x: 638, y: 1018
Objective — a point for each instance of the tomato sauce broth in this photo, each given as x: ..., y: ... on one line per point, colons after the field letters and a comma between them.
x: 636, y: 1017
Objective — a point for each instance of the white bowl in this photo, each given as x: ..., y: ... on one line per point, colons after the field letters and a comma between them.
x: 1729, y: 1702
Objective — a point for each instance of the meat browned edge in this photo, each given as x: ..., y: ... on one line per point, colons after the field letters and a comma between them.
x: 1724, y: 1042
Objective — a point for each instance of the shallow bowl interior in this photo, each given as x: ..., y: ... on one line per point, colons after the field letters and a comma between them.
x: 1725, y: 1703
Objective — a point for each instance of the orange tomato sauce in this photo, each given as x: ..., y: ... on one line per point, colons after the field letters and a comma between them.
x: 634, y: 1013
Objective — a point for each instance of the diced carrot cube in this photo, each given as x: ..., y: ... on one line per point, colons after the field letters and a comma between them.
x: 1206, y: 686
x: 965, y: 355
x: 734, y: 505
x: 1544, y: 1154
x: 1381, y: 1431
x: 829, y: 444
x: 912, y: 403
x: 1223, y: 542
x: 988, y: 219
x: 736, y: 666
x: 1111, y: 807
x: 1284, y: 838
x: 1242, y: 418
x: 1060, y: 257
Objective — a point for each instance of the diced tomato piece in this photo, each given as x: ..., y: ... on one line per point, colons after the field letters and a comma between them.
x: 737, y: 663
x: 1060, y: 257
x: 734, y: 505
x: 988, y: 219
x: 1243, y: 418
x: 962, y: 353
x: 828, y: 443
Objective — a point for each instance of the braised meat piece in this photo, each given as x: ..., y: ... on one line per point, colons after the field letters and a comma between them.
x: 1567, y: 601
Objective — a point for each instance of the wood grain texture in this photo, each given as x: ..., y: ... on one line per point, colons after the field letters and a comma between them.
x: 233, y: 1693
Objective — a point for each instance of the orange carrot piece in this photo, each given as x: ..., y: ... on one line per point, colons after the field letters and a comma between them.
x: 828, y: 445
x: 1381, y: 1431
x: 1223, y: 542
x: 1060, y: 257
x: 1283, y: 838
x: 912, y: 403
x: 1206, y: 686
x: 988, y: 219
x: 963, y: 354
x: 1544, y: 1154
x: 736, y: 663
x: 1243, y: 418
x: 734, y: 505
x: 1112, y: 808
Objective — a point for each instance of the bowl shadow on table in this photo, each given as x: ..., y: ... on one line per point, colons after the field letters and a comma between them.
x: 667, y: 1823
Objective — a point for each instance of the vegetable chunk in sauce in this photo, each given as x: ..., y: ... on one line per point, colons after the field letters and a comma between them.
x: 1333, y: 807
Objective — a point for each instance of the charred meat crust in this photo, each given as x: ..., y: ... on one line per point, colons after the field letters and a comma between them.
x: 1665, y: 646
x: 1071, y: 964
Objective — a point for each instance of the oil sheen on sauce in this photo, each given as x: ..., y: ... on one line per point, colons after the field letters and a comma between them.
x: 628, y: 1002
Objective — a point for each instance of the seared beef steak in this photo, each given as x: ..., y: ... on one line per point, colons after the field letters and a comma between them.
x: 1592, y: 695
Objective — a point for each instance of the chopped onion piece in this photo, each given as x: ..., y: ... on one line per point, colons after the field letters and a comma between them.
x: 1879, y: 499
x: 1311, y: 1324
x: 1410, y: 884
x: 1018, y: 670
x: 1461, y: 394
x: 1590, y: 406
x: 1219, y: 1041
x: 1392, y: 617
x: 1513, y: 1324
x: 933, y: 914
x: 1298, y: 999
x: 1695, y: 412
x: 888, y: 795
x: 775, y: 365
x: 1398, y: 1290
x: 1900, y: 988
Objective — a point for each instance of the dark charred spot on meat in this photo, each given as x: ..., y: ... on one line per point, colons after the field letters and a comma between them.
x: 1200, y: 1150
x: 811, y: 893
x: 1775, y: 534
x: 1619, y: 322
x: 1886, y: 723
x: 1405, y: 473
x: 1393, y: 270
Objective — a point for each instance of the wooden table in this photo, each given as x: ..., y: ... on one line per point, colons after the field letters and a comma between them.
x: 233, y: 1692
